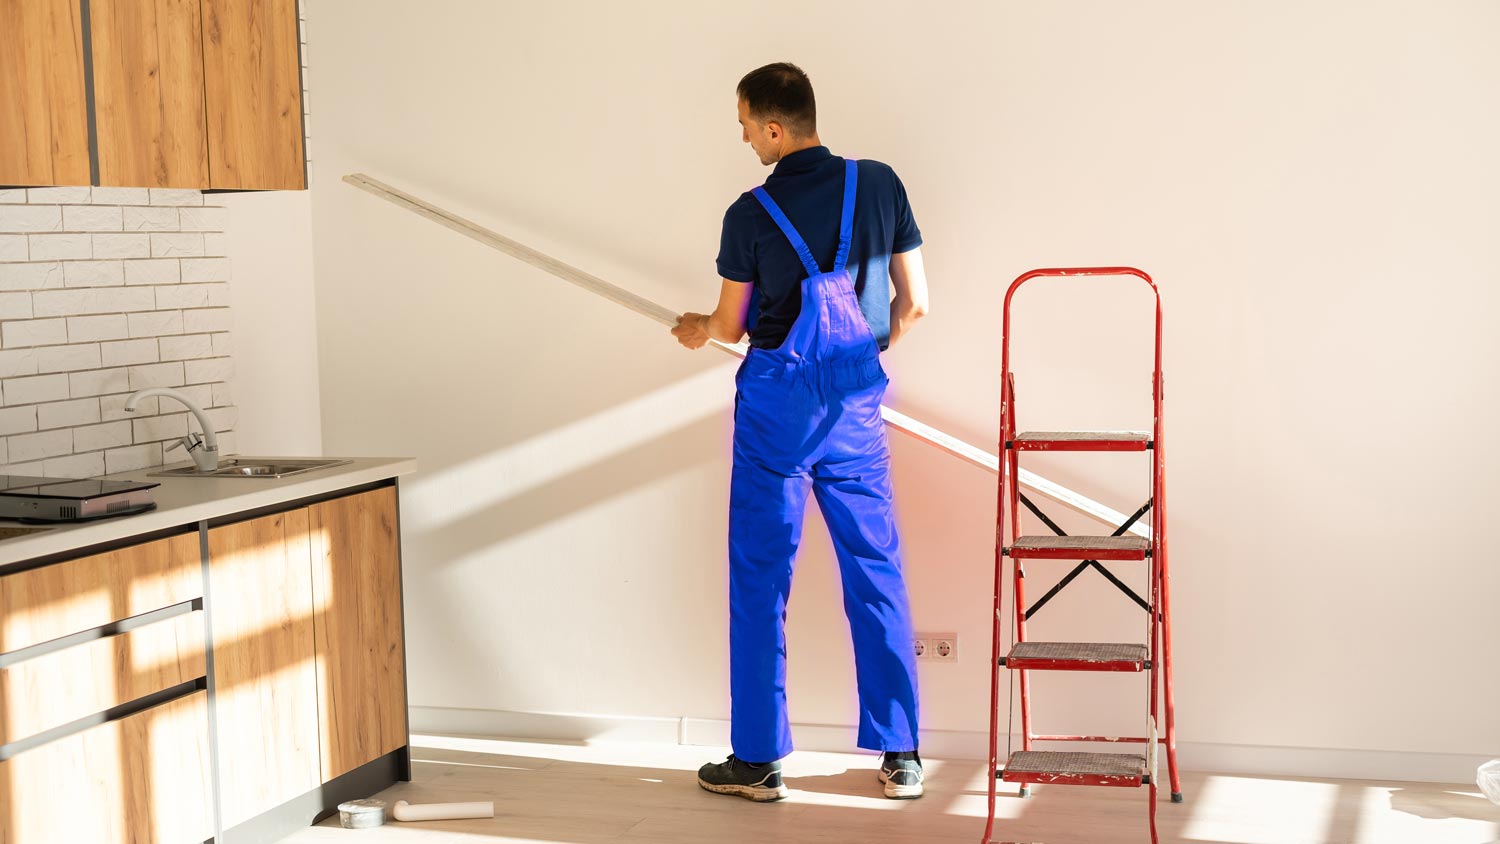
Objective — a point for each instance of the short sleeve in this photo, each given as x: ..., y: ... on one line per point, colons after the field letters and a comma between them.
x: 908, y: 236
x: 737, y: 244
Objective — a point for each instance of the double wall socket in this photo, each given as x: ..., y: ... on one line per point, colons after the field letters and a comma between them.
x: 936, y: 647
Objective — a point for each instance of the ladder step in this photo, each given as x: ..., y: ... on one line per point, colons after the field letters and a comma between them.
x: 1069, y: 768
x: 1076, y: 656
x: 1080, y: 548
x: 1082, y: 441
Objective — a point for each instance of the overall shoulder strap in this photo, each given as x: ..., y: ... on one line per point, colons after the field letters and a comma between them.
x: 786, y: 228
x: 846, y: 223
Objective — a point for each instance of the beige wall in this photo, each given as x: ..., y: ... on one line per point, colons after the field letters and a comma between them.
x: 1312, y: 184
x: 276, y: 342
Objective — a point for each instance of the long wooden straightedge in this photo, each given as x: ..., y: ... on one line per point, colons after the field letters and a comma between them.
x: 647, y: 308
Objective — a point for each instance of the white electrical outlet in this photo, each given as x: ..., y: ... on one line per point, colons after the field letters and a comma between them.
x: 937, y: 647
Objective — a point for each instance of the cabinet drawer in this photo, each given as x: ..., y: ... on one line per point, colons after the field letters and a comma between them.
x: 53, y: 689
x: 64, y: 598
x: 142, y: 778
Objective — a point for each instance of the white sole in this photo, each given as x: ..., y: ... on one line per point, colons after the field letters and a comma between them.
x: 899, y: 792
x: 759, y: 794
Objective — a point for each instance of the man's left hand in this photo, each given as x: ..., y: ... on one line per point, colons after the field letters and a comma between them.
x: 692, y: 330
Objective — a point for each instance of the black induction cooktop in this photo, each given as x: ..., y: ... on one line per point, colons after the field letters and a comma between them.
x: 72, y: 499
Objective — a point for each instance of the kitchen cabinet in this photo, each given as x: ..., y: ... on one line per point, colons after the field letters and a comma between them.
x: 148, y: 93
x: 253, y: 82
x: 266, y: 699
x: 143, y: 778
x: 200, y: 94
x: 120, y: 663
x: 43, y: 113
x: 361, y: 651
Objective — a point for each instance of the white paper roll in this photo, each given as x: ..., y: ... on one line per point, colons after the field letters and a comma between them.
x: 404, y: 811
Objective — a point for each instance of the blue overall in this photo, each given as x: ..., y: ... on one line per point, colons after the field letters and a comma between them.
x: 807, y: 414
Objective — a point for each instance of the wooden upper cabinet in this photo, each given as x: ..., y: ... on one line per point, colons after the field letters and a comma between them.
x: 44, y: 137
x: 253, y: 80
x: 148, y: 93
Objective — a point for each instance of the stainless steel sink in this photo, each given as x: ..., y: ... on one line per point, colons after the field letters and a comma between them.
x: 250, y: 467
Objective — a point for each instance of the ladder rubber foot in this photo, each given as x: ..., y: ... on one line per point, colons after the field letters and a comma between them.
x: 1025, y: 791
x: 1176, y: 797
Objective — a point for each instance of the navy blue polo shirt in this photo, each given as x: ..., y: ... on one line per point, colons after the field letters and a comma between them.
x: 809, y: 187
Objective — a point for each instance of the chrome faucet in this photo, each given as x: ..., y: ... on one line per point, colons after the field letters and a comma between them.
x: 203, y: 449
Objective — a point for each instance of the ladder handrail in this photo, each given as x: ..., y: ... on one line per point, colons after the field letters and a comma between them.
x: 964, y: 451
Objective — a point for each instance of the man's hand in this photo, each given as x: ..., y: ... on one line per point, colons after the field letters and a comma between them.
x: 692, y: 330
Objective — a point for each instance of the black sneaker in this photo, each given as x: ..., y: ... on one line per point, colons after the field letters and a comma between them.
x: 902, y: 775
x: 761, y: 783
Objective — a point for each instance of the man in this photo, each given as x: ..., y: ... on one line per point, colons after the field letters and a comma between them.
x: 807, y: 415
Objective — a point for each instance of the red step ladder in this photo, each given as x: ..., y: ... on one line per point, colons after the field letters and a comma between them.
x: 1153, y: 657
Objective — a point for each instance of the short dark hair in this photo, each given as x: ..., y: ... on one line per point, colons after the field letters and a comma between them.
x: 781, y: 92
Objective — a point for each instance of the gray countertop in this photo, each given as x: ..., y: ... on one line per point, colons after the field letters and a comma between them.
x: 184, y: 501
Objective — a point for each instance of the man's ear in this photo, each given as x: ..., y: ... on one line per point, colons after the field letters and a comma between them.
x: 775, y: 129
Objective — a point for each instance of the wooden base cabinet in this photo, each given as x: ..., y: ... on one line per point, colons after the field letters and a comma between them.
x: 361, y: 655
x: 266, y: 697
x: 144, y: 778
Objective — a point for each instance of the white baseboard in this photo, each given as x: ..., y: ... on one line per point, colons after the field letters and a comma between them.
x: 1255, y: 760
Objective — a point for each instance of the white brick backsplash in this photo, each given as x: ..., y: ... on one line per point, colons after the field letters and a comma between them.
x: 66, y: 414
x: 15, y: 306
x: 93, y: 273
x: 62, y: 196
x: 131, y: 458
x: 212, y: 319
x: 205, y: 269
x: 175, y: 196
x: 17, y: 420
x: 113, y: 407
x: 121, y: 196
x: 98, y: 437
x: 186, y: 346
x: 91, y: 218
x: 157, y: 375
x: 96, y: 300
x: 208, y: 370
x: 177, y: 245
x: 98, y: 382
x: 223, y: 418
x: 56, y: 247
x: 35, y: 390
x: 15, y: 362
x: 13, y: 247
x: 155, y: 428
x: 39, y: 445
x: 123, y: 245
x: 155, y: 323
x: 199, y: 394
x: 89, y: 329
x: 31, y: 276
x: 229, y: 443
x: 130, y: 352
x: 104, y: 291
x: 183, y: 296
x: 154, y: 271
x: 35, y: 332
x: 151, y: 219
x: 205, y: 219
x: 30, y: 218
x: 75, y: 466
x: 68, y: 358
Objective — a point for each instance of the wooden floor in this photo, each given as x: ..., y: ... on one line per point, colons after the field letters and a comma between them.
x: 577, y: 794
